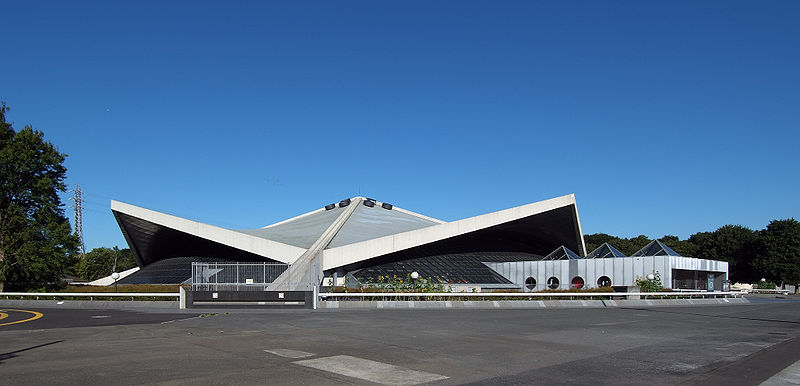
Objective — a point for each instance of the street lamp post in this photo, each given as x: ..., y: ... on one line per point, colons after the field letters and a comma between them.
x: 115, y: 276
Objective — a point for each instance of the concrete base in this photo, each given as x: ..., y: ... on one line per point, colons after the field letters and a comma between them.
x: 245, y: 299
x: 523, y: 304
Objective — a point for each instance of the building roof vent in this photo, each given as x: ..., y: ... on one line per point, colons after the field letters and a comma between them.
x: 386, y: 206
x: 330, y: 206
x: 369, y: 203
x: 344, y: 203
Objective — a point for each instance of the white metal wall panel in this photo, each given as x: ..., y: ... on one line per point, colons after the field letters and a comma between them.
x: 622, y: 271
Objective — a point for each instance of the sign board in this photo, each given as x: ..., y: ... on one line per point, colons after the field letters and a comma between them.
x: 710, y: 281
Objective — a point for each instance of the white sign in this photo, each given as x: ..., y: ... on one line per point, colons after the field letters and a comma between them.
x: 248, y: 281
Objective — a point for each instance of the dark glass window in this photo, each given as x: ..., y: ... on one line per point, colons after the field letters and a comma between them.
x: 456, y: 268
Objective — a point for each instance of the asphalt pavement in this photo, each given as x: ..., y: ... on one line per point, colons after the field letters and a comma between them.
x: 735, y: 344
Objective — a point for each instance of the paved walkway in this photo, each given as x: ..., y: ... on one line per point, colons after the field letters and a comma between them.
x: 613, y: 346
x: 788, y: 376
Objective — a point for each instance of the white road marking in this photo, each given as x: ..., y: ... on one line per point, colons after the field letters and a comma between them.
x: 788, y: 376
x: 99, y: 316
x: 288, y: 353
x: 378, y: 372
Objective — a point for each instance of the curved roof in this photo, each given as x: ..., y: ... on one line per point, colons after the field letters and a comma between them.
x: 363, y: 233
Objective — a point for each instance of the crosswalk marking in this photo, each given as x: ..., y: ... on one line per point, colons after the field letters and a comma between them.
x: 378, y: 372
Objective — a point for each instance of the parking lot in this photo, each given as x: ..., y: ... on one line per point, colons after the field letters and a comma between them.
x: 741, y: 344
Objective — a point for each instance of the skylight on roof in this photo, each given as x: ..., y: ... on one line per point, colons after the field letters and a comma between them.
x: 604, y: 251
x: 656, y: 248
x: 562, y: 253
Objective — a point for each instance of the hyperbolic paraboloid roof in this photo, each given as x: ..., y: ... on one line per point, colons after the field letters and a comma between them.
x: 369, y: 234
x: 364, y: 224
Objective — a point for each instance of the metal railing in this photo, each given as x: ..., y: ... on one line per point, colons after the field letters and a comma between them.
x: 531, y: 295
x: 768, y: 291
x: 235, y: 276
x: 90, y: 295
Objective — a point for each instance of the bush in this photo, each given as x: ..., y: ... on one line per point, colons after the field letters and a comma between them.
x: 647, y: 285
x: 765, y: 285
x: 168, y: 288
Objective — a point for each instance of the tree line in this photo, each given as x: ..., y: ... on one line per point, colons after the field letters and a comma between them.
x: 772, y: 253
x: 37, y: 245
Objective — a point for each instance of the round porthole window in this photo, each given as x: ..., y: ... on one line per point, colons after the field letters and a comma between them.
x: 604, y: 281
x: 553, y: 282
x: 530, y: 283
x: 577, y: 282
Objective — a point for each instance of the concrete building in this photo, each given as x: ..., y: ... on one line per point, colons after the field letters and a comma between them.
x: 362, y: 238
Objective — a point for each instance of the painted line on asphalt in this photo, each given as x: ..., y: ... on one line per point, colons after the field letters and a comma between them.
x: 3, y: 315
x: 36, y: 315
x: 288, y: 353
x: 372, y: 371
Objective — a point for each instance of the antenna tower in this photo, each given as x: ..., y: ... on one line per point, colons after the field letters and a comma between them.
x: 78, y: 205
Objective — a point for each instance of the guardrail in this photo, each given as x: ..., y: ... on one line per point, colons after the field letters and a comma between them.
x: 325, y: 295
x: 90, y: 295
x: 769, y: 291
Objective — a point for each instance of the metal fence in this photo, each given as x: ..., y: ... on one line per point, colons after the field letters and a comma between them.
x: 405, y: 296
x: 235, y: 276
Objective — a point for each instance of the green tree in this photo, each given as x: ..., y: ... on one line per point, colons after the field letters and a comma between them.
x: 101, y: 262
x: 683, y: 247
x: 36, y: 242
x: 597, y: 239
x: 735, y: 244
x: 779, y: 259
x: 626, y: 246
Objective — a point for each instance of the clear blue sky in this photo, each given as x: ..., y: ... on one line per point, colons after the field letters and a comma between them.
x: 663, y: 117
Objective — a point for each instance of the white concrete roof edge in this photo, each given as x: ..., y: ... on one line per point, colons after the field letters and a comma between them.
x: 268, y: 248
x: 580, y: 230
x: 108, y: 280
x: 355, y: 252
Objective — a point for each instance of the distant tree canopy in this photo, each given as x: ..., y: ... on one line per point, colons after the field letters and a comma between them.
x: 772, y: 253
x: 779, y: 257
x: 626, y: 246
x: 36, y: 242
x: 101, y: 262
x: 737, y: 245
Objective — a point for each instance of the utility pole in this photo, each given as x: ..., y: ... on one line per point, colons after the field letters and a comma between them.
x: 78, y: 206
